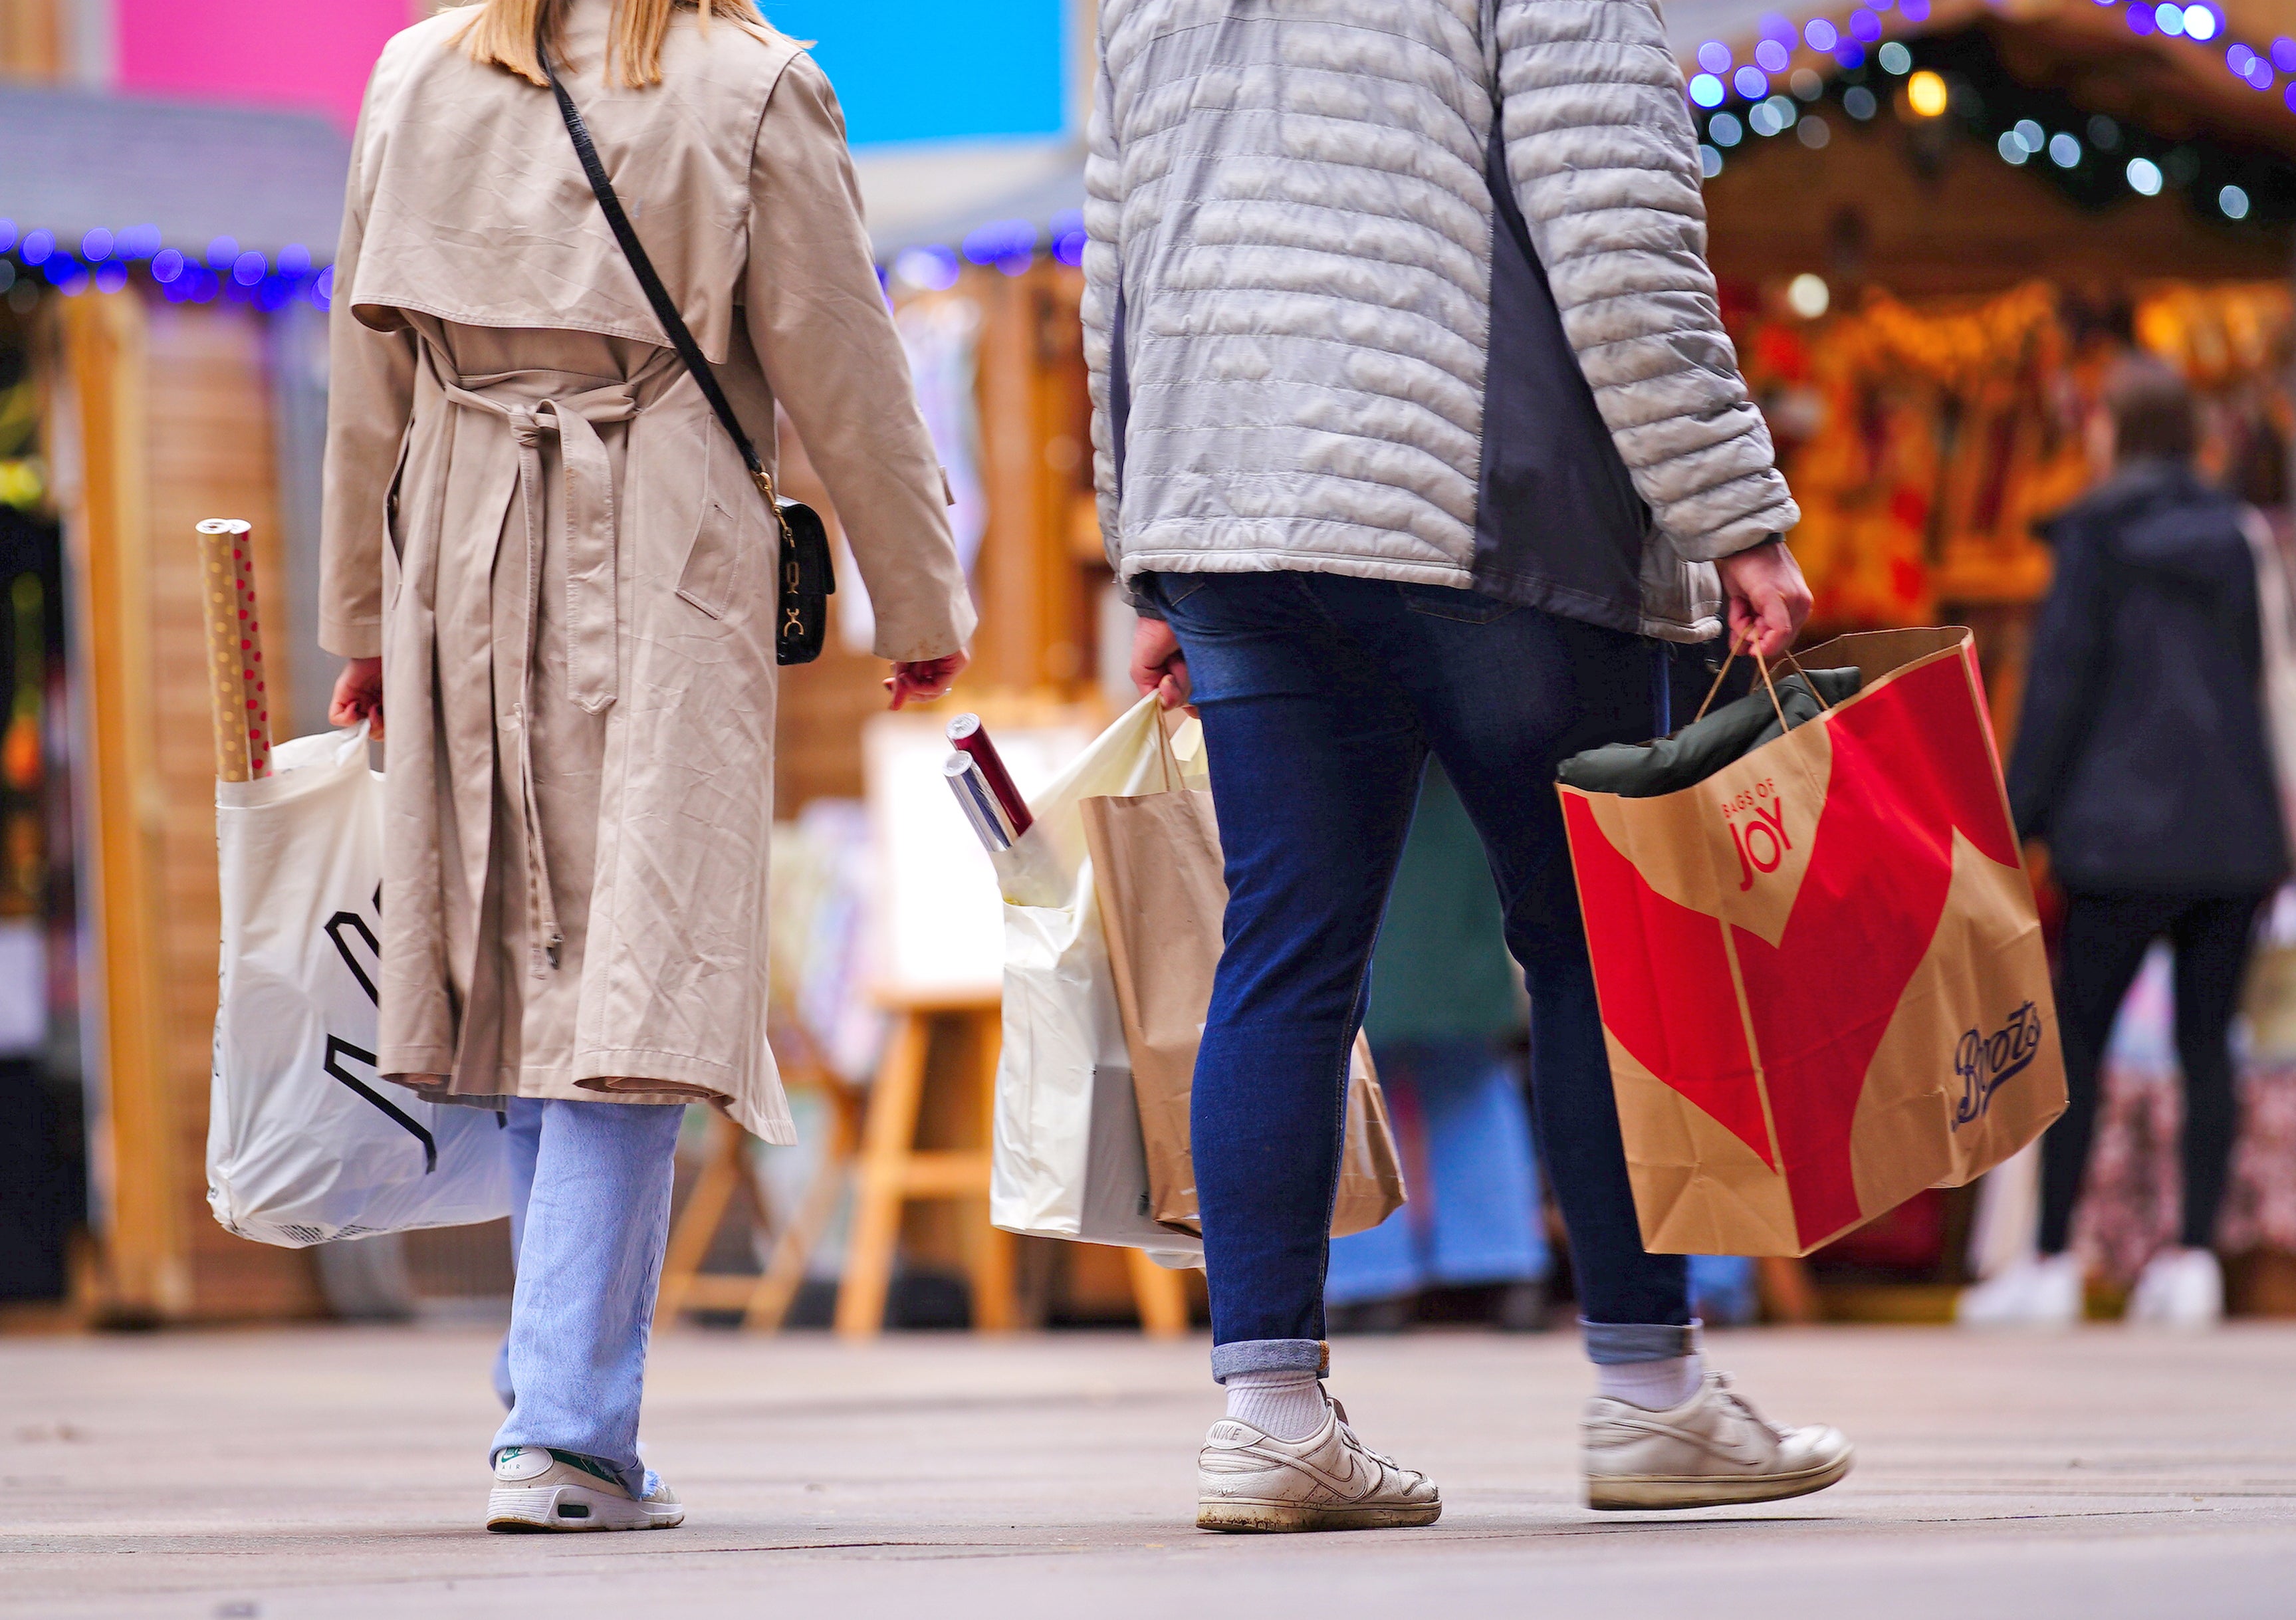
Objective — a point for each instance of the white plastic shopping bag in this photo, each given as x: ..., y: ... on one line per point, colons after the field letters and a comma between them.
x: 1067, y: 1161
x: 306, y: 1143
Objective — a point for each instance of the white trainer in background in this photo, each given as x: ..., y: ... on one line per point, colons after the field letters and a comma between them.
x: 2178, y: 1288
x: 1712, y: 1451
x: 1247, y: 1479
x: 540, y: 1489
x: 2046, y: 1291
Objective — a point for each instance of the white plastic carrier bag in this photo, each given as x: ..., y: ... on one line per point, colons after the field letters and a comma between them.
x: 306, y: 1143
x: 1067, y: 1160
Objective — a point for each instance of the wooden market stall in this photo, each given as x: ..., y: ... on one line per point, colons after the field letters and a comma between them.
x: 162, y: 331
x: 159, y: 415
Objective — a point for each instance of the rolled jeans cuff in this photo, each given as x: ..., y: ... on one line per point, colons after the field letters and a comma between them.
x: 1270, y: 1355
x: 1614, y: 1343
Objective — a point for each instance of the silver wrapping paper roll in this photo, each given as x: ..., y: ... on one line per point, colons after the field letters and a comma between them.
x: 978, y: 802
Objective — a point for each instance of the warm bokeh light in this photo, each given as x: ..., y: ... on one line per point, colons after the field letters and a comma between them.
x: 1925, y: 93
x: 1809, y: 296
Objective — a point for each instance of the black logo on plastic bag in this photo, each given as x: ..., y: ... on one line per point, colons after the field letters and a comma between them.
x: 339, y: 927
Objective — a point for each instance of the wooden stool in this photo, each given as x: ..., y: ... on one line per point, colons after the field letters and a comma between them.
x: 729, y: 1173
x: 892, y: 1172
x: 1787, y: 1293
x: 1160, y: 1294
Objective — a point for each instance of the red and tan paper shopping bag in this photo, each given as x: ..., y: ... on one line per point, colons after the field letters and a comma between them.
x: 1821, y: 973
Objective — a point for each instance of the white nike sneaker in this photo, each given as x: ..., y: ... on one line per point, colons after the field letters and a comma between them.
x: 2178, y: 1288
x: 536, y: 1489
x: 2045, y: 1291
x: 1247, y: 1479
x: 1712, y: 1451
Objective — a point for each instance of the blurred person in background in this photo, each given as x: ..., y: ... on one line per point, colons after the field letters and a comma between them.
x: 1444, y: 1006
x: 545, y: 560
x: 2143, y: 763
x: 1414, y: 417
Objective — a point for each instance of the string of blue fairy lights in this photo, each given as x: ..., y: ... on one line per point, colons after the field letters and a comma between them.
x: 1008, y: 245
x: 1848, y: 43
x: 1760, y: 97
x: 103, y: 261
x: 106, y: 259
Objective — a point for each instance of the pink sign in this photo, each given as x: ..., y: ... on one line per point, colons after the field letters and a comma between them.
x: 314, y: 54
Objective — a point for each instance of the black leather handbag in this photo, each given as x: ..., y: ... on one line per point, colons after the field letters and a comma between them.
x: 806, y: 575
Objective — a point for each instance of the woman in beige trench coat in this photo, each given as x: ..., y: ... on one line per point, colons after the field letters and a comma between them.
x: 550, y: 570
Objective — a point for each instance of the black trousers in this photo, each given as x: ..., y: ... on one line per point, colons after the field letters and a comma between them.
x: 2106, y: 937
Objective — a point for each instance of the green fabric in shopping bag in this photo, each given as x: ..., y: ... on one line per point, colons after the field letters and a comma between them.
x: 1645, y: 769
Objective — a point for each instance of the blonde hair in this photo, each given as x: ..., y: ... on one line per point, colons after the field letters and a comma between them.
x: 500, y: 33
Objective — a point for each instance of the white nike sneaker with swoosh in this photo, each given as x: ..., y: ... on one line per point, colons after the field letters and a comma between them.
x: 1714, y: 1449
x: 539, y: 1489
x: 1249, y: 1480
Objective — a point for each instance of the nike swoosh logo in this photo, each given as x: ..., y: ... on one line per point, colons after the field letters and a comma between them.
x: 1741, y: 1450
x: 1356, y: 1481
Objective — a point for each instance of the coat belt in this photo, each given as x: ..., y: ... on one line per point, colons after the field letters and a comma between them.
x: 586, y: 524
x: 588, y: 542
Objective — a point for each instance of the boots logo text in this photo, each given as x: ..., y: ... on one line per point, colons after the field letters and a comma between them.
x: 1984, y: 1062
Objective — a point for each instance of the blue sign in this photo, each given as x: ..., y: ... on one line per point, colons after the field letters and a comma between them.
x: 938, y: 69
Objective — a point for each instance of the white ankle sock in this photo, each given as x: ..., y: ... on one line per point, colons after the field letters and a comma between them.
x: 1652, y: 1385
x: 1284, y: 1404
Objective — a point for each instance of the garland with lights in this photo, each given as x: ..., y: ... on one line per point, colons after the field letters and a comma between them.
x: 2095, y: 160
x: 107, y: 260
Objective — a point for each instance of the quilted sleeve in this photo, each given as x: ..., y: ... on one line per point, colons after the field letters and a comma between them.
x: 1103, y: 293
x: 1604, y: 159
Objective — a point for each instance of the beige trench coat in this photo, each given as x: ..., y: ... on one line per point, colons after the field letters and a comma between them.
x: 533, y: 518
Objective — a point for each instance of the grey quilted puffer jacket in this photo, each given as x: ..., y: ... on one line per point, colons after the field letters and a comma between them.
x: 1416, y: 289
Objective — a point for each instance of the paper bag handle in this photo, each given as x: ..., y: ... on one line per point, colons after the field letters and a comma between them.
x: 1761, y: 663
x: 1165, y: 757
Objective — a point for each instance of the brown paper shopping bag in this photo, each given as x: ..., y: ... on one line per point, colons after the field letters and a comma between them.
x: 1156, y: 863
x: 1821, y: 975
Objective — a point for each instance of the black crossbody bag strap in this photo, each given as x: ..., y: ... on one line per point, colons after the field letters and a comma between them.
x: 665, y: 307
x: 805, y: 572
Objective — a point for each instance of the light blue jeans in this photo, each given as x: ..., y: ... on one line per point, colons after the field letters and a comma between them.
x: 1473, y: 1216
x: 589, y: 1218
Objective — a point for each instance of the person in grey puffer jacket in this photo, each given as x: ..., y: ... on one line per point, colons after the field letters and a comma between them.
x: 1417, y: 431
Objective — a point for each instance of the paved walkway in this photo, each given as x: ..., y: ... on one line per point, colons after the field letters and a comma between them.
x: 338, y: 1473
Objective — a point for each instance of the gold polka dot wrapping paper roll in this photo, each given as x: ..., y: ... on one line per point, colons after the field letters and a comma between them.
x: 238, y: 686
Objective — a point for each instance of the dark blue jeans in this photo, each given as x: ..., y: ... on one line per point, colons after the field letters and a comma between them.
x: 1322, y: 696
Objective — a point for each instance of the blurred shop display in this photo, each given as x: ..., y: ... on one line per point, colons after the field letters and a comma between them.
x: 1936, y: 223
x: 43, y: 1187
x: 1928, y: 442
